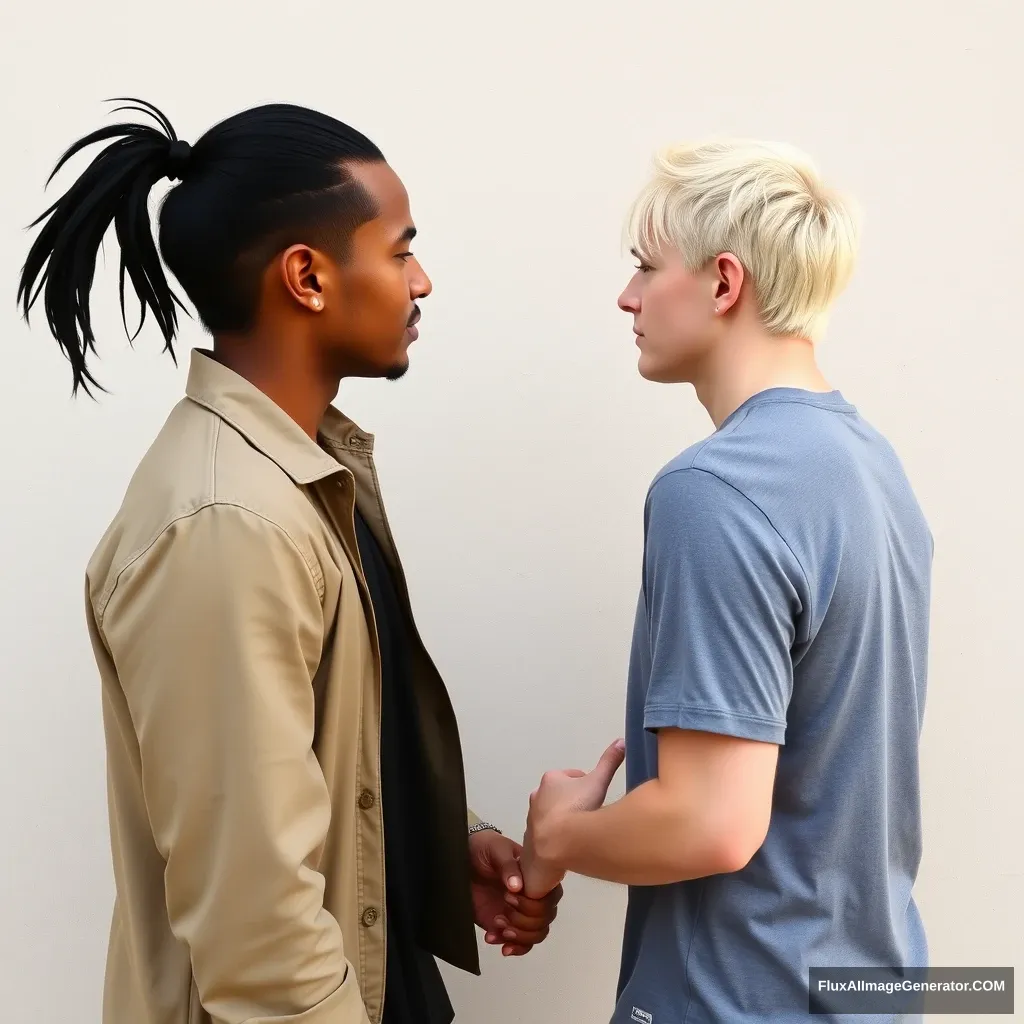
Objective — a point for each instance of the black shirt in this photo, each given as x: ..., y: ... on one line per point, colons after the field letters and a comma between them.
x: 414, y: 991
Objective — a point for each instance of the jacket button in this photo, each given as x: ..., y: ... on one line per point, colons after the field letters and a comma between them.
x: 366, y: 800
x: 370, y: 916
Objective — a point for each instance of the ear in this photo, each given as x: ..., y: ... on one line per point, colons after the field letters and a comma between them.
x: 303, y: 274
x: 729, y: 277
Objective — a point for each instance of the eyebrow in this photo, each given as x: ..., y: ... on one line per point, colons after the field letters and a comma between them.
x: 406, y: 236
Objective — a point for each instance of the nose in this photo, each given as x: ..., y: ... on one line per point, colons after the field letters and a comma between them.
x: 419, y: 284
x: 629, y: 302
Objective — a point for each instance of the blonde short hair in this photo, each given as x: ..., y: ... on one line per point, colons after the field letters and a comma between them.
x: 764, y: 203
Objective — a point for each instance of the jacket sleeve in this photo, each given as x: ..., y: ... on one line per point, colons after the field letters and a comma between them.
x: 216, y: 632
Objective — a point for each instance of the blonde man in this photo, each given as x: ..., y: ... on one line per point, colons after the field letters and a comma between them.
x: 777, y: 678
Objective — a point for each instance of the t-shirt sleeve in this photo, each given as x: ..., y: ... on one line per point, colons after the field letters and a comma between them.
x: 723, y: 593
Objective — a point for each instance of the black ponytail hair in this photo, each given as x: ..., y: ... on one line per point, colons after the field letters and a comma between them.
x: 262, y: 180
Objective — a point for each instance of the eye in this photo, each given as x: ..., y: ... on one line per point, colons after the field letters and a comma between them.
x: 403, y: 256
x: 644, y: 268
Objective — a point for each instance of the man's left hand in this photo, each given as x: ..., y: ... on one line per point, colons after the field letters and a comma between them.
x: 507, y: 916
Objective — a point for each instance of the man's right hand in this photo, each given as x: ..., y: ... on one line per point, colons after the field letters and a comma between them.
x: 559, y: 796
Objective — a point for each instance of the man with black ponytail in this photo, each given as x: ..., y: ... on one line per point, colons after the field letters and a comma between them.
x: 288, y: 815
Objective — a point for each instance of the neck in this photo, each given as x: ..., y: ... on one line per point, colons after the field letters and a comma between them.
x: 288, y: 375
x: 747, y: 363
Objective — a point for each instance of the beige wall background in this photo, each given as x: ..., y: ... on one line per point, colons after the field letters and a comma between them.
x: 516, y: 454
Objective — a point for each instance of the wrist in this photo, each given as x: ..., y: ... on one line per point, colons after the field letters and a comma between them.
x: 553, y: 841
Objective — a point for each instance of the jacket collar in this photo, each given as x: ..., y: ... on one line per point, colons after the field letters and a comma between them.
x: 267, y: 427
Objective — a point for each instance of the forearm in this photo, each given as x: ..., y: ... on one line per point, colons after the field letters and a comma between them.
x: 649, y: 837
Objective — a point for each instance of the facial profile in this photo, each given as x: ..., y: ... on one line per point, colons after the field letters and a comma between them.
x: 366, y: 303
x: 676, y: 314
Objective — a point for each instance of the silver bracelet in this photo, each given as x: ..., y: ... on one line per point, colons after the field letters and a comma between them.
x: 484, y: 826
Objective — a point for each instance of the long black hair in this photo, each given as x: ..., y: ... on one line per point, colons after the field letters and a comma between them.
x: 254, y: 184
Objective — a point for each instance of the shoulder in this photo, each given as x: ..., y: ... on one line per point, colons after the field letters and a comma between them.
x: 707, y: 476
x: 201, y: 485
x: 787, y: 459
x: 700, y: 503
x: 711, y: 506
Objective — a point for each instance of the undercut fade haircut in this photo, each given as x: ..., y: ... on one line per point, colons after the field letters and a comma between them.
x: 767, y: 205
x: 253, y: 185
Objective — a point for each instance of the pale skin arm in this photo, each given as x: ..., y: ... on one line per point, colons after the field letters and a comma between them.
x: 706, y: 813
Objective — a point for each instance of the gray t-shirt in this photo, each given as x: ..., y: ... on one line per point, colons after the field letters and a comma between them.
x: 785, y: 598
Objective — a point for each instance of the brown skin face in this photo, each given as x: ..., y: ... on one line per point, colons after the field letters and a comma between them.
x: 321, y: 320
x: 368, y: 303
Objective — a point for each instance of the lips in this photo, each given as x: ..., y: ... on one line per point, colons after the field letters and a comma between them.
x: 411, y: 327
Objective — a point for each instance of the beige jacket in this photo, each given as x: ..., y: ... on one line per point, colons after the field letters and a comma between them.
x: 240, y: 674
